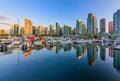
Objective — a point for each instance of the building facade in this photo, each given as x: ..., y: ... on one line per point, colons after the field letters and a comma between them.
x: 2, y: 31
x: 110, y: 27
x: 79, y: 27
x: 92, y: 24
x: 52, y: 30
x: 58, y: 30
x: 28, y: 27
x: 41, y: 30
x: 67, y: 30
x: 22, y: 31
x: 46, y: 32
x: 16, y: 29
x: 116, y: 21
x: 102, y: 25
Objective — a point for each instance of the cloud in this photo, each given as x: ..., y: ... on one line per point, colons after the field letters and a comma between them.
x: 4, y: 18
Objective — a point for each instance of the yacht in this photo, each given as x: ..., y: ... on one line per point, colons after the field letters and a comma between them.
x: 37, y: 43
x: 117, y: 47
x: 66, y: 41
x: 79, y: 41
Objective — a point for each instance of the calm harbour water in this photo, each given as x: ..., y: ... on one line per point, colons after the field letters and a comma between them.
x: 61, y: 63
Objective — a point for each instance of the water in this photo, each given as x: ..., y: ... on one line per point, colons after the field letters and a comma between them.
x: 61, y: 63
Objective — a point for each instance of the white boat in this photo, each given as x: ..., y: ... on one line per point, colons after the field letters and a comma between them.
x: 117, y: 47
x: 8, y: 41
x: 49, y: 41
x: 17, y: 42
x: 27, y: 42
x: 37, y: 43
x: 79, y: 41
x: 66, y: 41
x: 9, y: 46
x: 89, y: 41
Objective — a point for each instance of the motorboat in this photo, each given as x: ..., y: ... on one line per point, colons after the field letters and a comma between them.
x: 25, y: 45
x: 66, y: 41
x: 37, y: 43
x: 117, y: 47
x: 89, y: 41
x: 17, y: 42
x: 8, y: 41
x: 79, y: 41
x: 49, y: 41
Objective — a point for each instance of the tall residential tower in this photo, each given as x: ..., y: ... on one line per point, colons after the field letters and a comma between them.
x: 92, y: 24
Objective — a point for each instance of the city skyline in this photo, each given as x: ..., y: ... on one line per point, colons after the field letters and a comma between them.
x: 46, y: 12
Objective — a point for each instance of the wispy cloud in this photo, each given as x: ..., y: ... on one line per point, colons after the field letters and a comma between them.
x: 4, y: 18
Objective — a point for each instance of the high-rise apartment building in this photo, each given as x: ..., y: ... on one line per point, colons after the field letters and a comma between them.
x: 28, y: 27
x: 110, y: 27
x: 102, y: 25
x: 92, y: 24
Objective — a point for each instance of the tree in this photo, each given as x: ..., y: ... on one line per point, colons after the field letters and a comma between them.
x: 115, y: 36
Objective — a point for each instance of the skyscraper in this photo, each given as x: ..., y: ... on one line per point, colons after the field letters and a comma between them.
x: 67, y: 30
x: 84, y: 31
x: 22, y: 32
x: 35, y: 30
x: 41, y: 30
x: 79, y: 27
x: 46, y: 31
x: 110, y: 27
x: 102, y: 25
x: 16, y: 29
x: 91, y: 24
x: 28, y: 27
x: 116, y: 21
x: 11, y: 30
x: 58, y: 30
x: 52, y: 30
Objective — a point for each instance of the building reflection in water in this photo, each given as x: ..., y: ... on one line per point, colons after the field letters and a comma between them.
x: 58, y: 48
x: 116, y: 60
x: 111, y: 52
x: 80, y: 51
x: 92, y: 52
x: 102, y: 53
x: 67, y: 48
x: 28, y: 53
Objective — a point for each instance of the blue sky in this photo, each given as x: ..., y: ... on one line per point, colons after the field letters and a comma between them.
x: 46, y: 12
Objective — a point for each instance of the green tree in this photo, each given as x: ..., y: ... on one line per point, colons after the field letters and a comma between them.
x: 115, y: 36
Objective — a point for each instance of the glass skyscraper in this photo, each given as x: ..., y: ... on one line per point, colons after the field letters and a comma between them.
x: 102, y: 25
x: 80, y: 27
x: 67, y: 30
x: 116, y: 21
x: 58, y: 30
x: 16, y: 29
x: 92, y: 24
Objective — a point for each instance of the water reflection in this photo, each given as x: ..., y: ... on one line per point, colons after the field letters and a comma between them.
x: 103, y: 53
x: 80, y: 51
x: 116, y: 62
x: 28, y: 53
x: 92, y: 54
x: 111, y: 52
x: 90, y: 51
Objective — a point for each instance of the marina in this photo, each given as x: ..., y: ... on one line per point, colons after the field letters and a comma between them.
x: 60, y: 62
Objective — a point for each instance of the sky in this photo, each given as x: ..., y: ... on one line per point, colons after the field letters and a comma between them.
x: 46, y: 12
